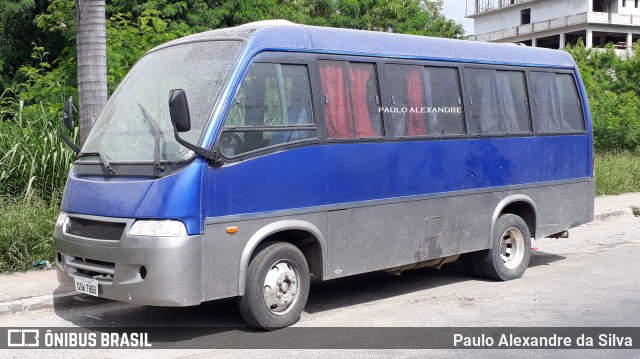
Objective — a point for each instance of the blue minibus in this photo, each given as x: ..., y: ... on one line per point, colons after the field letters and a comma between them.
x: 245, y: 162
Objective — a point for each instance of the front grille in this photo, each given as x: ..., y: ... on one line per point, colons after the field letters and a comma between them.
x: 107, y: 231
x: 100, y: 270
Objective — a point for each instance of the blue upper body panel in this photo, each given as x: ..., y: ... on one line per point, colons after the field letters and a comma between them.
x: 357, y: 172
x: 172, y: 197
x: 323, y: 174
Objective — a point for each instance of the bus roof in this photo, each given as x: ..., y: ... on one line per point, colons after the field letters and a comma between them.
x: 283, y: 35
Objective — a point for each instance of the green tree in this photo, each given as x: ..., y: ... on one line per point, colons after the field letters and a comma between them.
x: 18, y: 31
x: 612, y: 83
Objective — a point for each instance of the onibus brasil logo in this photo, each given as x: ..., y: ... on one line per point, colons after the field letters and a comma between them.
x: 31, y: 337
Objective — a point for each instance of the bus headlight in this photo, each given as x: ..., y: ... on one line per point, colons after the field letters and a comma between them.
x: 62, y: 219
x: 154, y: 228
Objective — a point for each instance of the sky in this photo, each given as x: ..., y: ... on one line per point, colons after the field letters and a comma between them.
x: 455, y: 9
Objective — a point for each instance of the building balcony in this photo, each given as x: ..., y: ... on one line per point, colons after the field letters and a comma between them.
x: 485, y: 6
x: 559, y: 23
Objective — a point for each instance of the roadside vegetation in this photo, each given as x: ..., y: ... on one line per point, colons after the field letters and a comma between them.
x: 26, y: 232
x: 617, y: 173
x: 613, y: 86
x: 38, y: 73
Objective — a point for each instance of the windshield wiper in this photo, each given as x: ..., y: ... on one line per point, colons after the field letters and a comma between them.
x: 156, y: 136
x: 103, y: 159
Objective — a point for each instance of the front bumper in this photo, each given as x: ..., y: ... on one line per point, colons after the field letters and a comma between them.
x: 172, y: 273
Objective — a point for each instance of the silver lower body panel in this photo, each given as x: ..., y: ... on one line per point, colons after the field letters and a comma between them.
x: 171, y: 275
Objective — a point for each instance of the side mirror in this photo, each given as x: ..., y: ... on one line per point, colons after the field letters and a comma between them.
x: 67, y: 121
x: 67, y: 115
x: 179, y: 110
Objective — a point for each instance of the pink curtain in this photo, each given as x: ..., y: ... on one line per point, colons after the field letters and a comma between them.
x: 359, y: 78
x: 338, y: 111
x: 415, y: 119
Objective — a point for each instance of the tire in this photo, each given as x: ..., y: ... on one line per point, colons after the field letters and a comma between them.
x: 510, y: 250
x: 281, y: 267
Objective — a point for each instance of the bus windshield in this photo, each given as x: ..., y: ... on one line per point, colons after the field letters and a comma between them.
x: 136, y: 119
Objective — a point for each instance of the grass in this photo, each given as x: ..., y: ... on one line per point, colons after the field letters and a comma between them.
x: 34, y: 163
x: 26, y: 232
x: 617, y: 173
x: 33, y: 157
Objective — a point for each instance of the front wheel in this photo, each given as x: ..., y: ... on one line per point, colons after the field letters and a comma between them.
x: 277, y: 287
x: 510, y: 250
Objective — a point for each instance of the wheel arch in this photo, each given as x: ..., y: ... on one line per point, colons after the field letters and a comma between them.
x: 290, y: 231
x: 522, y: 206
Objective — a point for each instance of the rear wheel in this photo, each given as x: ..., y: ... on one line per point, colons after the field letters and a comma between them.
x: 277, y: 287
x: 510, y: 250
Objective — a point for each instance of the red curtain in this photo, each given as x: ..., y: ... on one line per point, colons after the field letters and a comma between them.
x: 338, y: 111
x: 415, y: 118
x: 359, y: 78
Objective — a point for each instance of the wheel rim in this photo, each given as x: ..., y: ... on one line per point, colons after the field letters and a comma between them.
x: 281, y: 287
x: 512, y: 248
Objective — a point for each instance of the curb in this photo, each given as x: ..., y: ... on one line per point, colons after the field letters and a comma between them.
x: 39, y: 303
x: 613, y: 214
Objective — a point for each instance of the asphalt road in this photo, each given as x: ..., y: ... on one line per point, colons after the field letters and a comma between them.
x: 589, y: 279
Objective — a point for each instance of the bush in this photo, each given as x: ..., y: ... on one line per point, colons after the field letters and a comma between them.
x: 26, y: 233
x: 612, y: 83
x: 617, y: 173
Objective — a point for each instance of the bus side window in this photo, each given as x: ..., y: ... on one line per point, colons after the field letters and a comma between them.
x: 444, y: 99
x: 426, y: 100
x: 556, y: 105
x: 498, y: 101
x: 407, y: 100
x: 365, y: 99
x: 350, y: 92
x: 271, y: 99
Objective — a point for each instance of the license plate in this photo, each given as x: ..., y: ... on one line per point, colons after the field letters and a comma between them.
x: 86, y: 285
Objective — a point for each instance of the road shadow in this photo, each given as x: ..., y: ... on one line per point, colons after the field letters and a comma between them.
x: 219, y: 319
x: 539, y: 258
x: 369, y: 287
x: 324, y: 296
x: 217, y: 323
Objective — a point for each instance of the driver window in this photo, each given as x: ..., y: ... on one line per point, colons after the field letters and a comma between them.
x: 271, y: 107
